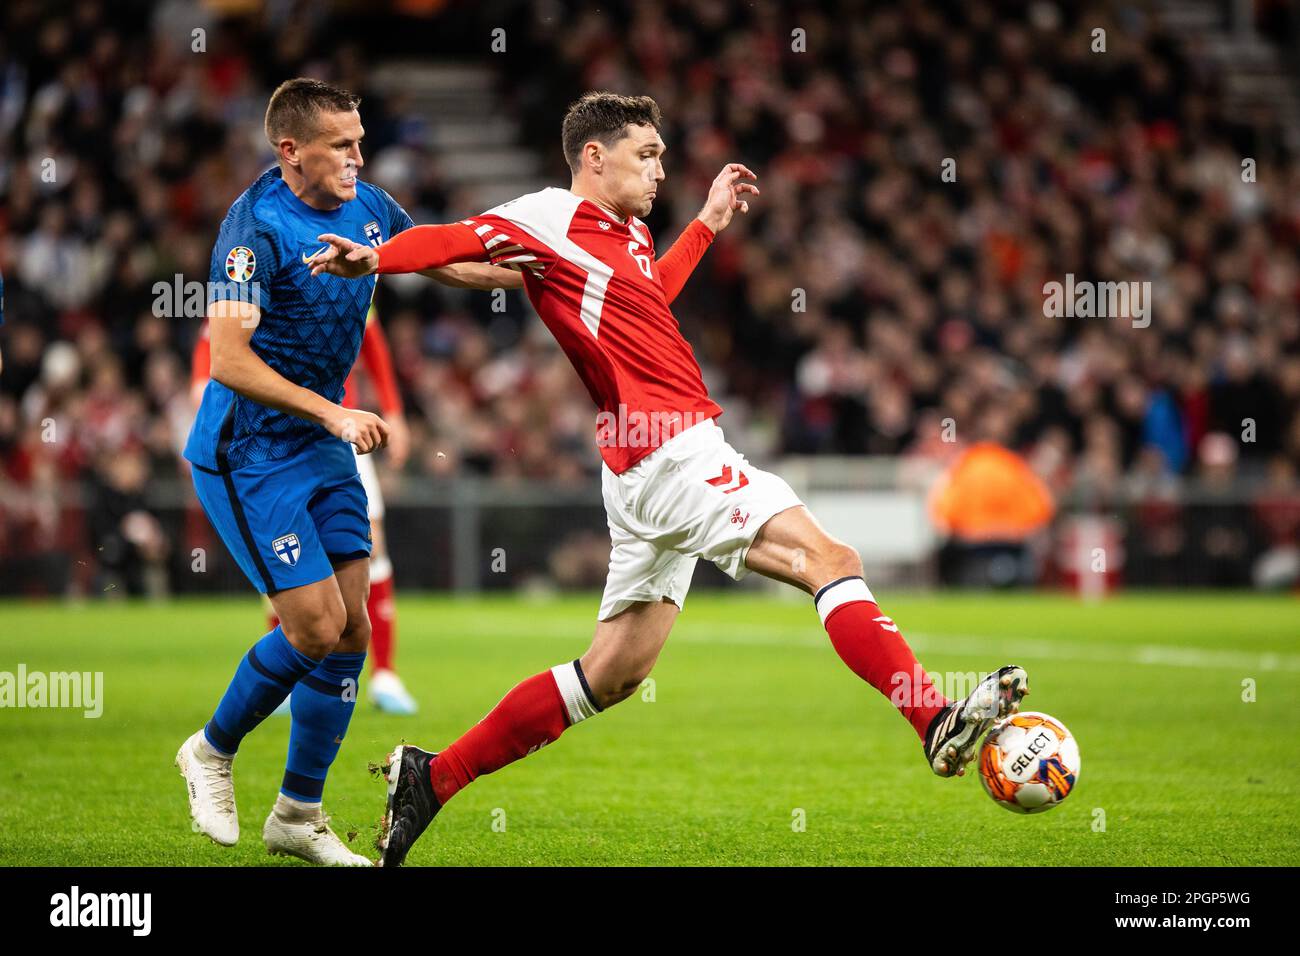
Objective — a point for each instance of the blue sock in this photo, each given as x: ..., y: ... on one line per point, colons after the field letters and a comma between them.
x: 321, y: 705
x: 263, y: 679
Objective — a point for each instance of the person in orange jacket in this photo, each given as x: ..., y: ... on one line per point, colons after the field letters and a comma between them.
x: 990, y: 503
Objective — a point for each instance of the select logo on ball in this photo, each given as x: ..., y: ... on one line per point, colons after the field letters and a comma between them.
x: 1029, y: 762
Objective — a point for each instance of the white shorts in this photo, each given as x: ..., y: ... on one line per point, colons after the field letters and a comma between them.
x: 694, y: 496
x: 370, y: 482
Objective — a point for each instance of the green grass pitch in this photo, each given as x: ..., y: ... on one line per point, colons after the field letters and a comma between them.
x: 754, y: 725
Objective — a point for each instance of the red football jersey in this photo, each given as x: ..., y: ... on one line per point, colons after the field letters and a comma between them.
x: 594, y: 282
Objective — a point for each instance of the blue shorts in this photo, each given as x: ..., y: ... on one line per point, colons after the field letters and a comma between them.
x: 288, y: 522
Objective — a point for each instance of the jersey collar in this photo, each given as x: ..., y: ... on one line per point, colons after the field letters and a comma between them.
x: 625, y: 223
x: 306, y: 209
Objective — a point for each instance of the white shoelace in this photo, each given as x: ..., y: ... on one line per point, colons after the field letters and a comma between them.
x: 220, y: 786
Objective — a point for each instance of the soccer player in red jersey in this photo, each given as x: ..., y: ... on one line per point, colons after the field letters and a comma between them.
x: 674, y: 489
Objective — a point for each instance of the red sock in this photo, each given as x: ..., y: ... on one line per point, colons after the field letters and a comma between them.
x: 870, y: 644
x: 382, y: 624
x: 528, y: 718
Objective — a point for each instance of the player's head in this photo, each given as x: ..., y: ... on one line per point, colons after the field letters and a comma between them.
x: 316, y: 132
x: 613, y: 148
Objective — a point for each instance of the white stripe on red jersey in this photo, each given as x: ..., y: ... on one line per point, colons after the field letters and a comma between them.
x: 594, y: 282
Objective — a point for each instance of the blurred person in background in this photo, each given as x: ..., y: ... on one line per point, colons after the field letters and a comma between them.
x: 991, y: 505
x: 128, y: 539
x: 1277, y: 512
x: 1225, y: 541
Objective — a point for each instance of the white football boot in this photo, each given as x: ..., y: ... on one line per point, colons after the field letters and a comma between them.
x: 390, y: 695
x: 953, y: 737
x: 210, y: 789
x: 293, y: 830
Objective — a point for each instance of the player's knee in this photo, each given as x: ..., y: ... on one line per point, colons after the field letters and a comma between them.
x: 839, y: 560
x: 316, y: 634
x: 356, y: 634
x: 620, y: 685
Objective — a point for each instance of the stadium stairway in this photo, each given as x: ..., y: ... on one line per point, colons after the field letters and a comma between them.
x: 1253, y: 70
x: 469, y: 129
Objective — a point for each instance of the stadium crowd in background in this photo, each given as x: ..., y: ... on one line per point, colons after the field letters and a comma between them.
x: 867, y: 300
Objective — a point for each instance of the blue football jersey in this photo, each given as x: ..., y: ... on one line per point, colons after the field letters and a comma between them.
x: 311, y: 326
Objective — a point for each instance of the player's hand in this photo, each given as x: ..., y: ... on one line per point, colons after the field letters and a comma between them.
x: 399, y: 442
x: 363, y: 429
x: 343, y: 257
x: 726, y: 196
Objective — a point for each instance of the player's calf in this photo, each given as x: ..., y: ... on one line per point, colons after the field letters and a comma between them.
x: 793, y: 547
x: 625, y: 649
x: 533, y: 714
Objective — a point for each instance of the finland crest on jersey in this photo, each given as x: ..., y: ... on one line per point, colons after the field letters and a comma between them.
x: 287, y: 549
x: 372, y: 232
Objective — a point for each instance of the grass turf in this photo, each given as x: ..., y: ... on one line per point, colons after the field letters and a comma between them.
x: 754, y: 723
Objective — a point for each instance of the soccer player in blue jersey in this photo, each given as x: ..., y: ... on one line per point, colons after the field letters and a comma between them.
x: 271, y: 462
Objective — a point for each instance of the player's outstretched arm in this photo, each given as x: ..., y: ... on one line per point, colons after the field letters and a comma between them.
x: 359, y: 260
x: 412, y: 250
x: 238, y: 367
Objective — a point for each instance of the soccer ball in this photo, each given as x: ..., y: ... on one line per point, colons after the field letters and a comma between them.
x: 1029, y: 762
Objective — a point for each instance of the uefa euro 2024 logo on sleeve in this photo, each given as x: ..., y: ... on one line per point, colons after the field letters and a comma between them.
x: 241, y: 263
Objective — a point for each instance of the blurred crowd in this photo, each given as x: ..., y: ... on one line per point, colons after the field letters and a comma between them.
x: 925, y: 169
